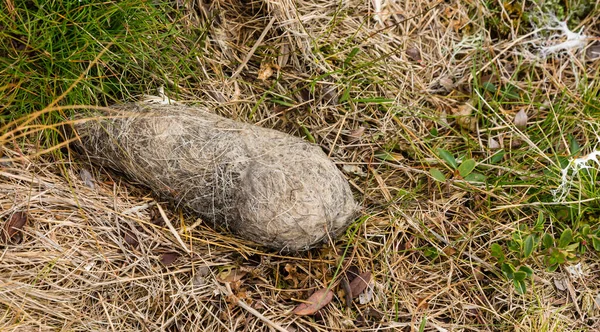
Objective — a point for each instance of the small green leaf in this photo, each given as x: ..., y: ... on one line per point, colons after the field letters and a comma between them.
x: 351, y: 56
x: 447, y: 157
x: 466, y: 167
x: 346, y: 94
x: 513, y: 246
x: 539, y: 223
x: 423, y: 324
x: 509, y: 92
x: 508, y: 270
x: 528, y: 246
x: 596, y: 242
x: 585, y: 230
x: 565, y: 238
x: 552, y: 268
x: 497, y: 157
x: 437, y: 174
x: 573, y: 145
x: 528, y: 271
x: 547, y: 241
x: 489, y: 87
x: 520, y: 275
x: 431, y: 252
x: 520, y: 286
x: 572, y: 246
x: 496, y: 251
x: 475, y: 177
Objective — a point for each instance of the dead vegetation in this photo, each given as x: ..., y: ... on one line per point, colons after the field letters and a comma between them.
x: 381, y: 93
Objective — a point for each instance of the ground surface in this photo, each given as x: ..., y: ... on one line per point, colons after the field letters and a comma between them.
x: 453, y: 121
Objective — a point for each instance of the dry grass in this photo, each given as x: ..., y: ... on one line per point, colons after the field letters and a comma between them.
x: 360, y: 91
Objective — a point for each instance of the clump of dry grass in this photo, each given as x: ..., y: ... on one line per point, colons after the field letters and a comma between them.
x: 381, y: 101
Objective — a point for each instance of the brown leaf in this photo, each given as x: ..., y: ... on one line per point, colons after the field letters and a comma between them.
x: 464, y: 118
x: 292, y: 274
x: 131, y: 239
x: 520, y: 119
x: 352, y: 272
x: 347, y: 291
x: 593, y: 52
x: 266, y: 70
x: 13, y: 226
x: 316, y: 301
x: 231, y: 275
x: 169, y: 258
x: 449, y: 251
x: 87, y: 178
x: 360, y: 283
x: 414, y: 54
x: 356, y: 134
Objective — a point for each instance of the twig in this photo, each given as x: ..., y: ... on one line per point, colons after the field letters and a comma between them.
x: 228, y: 292
x: 253, y: 49
x: 172, y: 229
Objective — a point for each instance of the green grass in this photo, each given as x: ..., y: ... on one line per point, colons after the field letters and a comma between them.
x: 94, y: 52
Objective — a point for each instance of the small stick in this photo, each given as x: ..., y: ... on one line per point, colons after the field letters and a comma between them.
x: 253, y: 49
x: 251, y: 310
x: 172, y: 229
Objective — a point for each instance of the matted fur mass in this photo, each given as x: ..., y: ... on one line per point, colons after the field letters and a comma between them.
x: 266, y: 186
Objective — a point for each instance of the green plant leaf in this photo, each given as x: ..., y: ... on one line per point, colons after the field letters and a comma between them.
x: 351, y: 56
x: 423, y: 324
x: 585, y: 230
x: 496, y: 251
x: 547, y: 241
x: 497, y: 157
x: 508, y: 270
x: 596, y: 242
x: 552, y: 268
x: 520, y: 286
x: 513, y: 246
x: 475, y: 177
x: 572, y: 246
x: 437, y: 174
x: 528, y: 271
x: 489, y: 87
x: 565, y: 238
x: 520, y: 275
x: 539, y: 223
x: 466, y: 167
x: 573, y: 145
x: 447, y: 157
x: 528, y: 246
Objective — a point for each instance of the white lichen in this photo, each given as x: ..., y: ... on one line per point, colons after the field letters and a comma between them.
x: 568, y: 173
x: 565, y: 40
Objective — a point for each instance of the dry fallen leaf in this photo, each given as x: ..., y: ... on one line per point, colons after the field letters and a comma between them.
x: 316, y: 301
x: 447, y: 83
x: 493, y: 144
x: 464, y: 118
x: 520, y: 119
x: 593, y: 52
x: 131, y: 239
x: 87, y: 178
x: 231, y: 275
x: 266, y: 70
x: 169, y: 258
x: 292, y: 274
x: 356, y: 134
x: 360, y: 283
x: 414, y: 54
x: 13, y: 226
